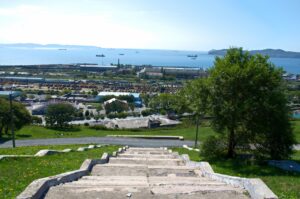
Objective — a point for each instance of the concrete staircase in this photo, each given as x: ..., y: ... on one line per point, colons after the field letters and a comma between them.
x: 145, y: 173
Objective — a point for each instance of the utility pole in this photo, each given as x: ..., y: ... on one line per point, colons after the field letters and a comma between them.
x: 12, y: 121
x: 197, y: 130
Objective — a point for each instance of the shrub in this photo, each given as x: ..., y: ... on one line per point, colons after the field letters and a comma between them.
x: 86, y: 124
x: 36, y: 120
x: 122, y: 115
x: 213, y: 147
x: 147, y: 112
x: 98, y: 127
x: 111, y: 115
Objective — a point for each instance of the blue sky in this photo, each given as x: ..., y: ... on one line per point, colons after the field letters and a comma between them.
x: 153, y: 24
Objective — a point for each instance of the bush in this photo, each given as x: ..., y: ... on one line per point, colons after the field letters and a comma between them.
x: 147, y: 112
x: 213, y: 147
x: 86, y: 124
x: 98, y: 127
x: 122, y: 115
x: 111, y: 116
x: 163, y: 112
x: 36, y: 120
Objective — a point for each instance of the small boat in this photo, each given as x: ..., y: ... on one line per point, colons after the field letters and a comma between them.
x: 121, y: 54
x: 192, y: 56
x: 100, y: 55
x: 62, y: 49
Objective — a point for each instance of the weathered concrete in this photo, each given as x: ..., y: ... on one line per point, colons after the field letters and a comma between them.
x: 15, y: 156
x: 255, y: 187
x: 46, y: 152
x: 146, y: 173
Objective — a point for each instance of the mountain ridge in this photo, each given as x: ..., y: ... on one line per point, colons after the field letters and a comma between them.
x: 274, y: 53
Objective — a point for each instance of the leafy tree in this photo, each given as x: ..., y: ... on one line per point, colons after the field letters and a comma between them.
x: 195, y: 98
x: 164, y: 102
x: 116, y: 106
x: 147, y: 112
x: 58, y: 115
x: 146, y: 98
x: 94, y: 92
x: 21, y: 116
x: 87, y: 113
x: 249, y: 104
x: 36, y: 120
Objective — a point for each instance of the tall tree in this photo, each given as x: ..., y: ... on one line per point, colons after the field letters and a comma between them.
x: 20, y: 114
x: 195, y: 98
x: 249, y: 104
x: 58, y: 115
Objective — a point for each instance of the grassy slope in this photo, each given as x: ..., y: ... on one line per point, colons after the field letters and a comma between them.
x: 296, y: 127
x: 35, y: 132
x: 284, y: 184
x: 31, y: 150
x: 17, y: 173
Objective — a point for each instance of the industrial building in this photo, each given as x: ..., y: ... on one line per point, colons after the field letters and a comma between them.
x: 137, y: 98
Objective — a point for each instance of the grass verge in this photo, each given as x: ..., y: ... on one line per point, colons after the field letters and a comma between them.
x: 285, y: 185
x: 187, y: 131
x: 31, y: 150
x: 17, y: 173
x: 38, y: 132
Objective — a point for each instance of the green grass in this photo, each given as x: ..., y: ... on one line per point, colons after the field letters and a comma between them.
x: 37, y: 132
x: 283, y: 184
x: 188, y: 132
x: 31, y: 150
x: 296, y: 127
x: 17, y: 173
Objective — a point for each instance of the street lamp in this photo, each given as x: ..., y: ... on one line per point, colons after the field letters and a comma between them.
x: 12, y: 120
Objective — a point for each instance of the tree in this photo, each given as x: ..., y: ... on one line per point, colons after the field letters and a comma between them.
x: 87, y: 113
x: 36, y: 120
x: 21, y: 116
x: 163, y: 101
x: 94, y: 92
x: 249, y: 104
x: 195, y: 98
x: 58, y: 115
x: 116, y: 106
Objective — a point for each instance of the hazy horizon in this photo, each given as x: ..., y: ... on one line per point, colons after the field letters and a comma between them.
x: 65, y: 45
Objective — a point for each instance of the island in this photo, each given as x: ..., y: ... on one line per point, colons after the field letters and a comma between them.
x: 275, y: 53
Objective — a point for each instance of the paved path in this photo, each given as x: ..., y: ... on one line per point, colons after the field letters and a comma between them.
x: 100, y: 140
x: 147, y: 173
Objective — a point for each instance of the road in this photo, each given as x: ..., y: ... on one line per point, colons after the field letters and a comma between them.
x: 100, y: 140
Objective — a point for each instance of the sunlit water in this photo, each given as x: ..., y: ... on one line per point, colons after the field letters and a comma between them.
x: 27, y: 56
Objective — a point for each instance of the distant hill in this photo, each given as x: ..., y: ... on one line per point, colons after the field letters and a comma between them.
x: 276, y: 53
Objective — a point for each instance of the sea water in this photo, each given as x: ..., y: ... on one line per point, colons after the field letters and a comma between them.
x: 172, y: 58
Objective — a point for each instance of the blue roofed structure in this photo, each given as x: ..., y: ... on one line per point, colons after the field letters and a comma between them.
x: 7, y: 93
x: 137, y: 98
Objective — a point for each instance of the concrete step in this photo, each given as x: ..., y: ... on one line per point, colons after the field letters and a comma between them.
x: 169, y: 162
x: 160, y: 192
x: 143, y: 181
x: 148, y: 157
x: 146, y: 149
x: 142, y: 170
x: 120, y: 170
x: 147, y: 173
x: 148, y: 152
x: 168, y: 156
